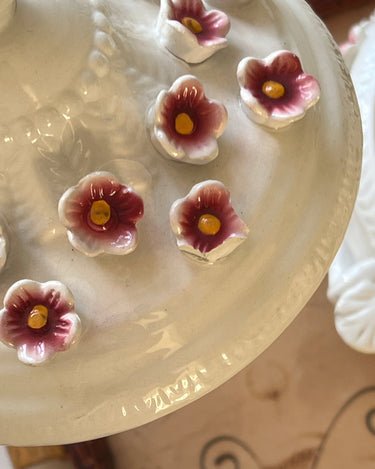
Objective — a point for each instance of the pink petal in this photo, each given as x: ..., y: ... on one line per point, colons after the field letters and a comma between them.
x: 214, y: 117
x: 286, y: 64
x: 35, y: 353
x: 309, y: 89
x: 188, y: 90
x: 125, y: 240
x: 128, y: 205
x: 66, y: 332
x: 215, y: 27
x: 192, y: 8
x: 120, y: 240
x: 21, y: 293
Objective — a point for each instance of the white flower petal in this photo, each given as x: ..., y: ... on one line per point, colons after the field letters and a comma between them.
x: 35, y: 354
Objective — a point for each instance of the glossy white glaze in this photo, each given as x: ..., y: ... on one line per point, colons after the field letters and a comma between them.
x: 159, y: 330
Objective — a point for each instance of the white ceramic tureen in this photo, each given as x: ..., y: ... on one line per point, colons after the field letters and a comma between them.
x: 175, y: 179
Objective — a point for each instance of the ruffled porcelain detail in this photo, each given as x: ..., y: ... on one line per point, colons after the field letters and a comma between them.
x: 185, y: 125
x: 38, y: 319
x: 356, y: 36
x: 275, y: 91
x: 100, y: 215
x: 354, y: 298
x: 190, y: 31
x: 205, y: 223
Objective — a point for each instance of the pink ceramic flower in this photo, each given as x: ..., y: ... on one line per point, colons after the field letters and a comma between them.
x: 38, y: 319
x: 191, y: 32
x: 184, y: 124
x: 205, y: 223
x: 100, y: 215
x: 275, y: 91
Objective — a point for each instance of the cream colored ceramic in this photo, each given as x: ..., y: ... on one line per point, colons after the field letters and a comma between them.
x: 352, y: 275
x: 159, y: 330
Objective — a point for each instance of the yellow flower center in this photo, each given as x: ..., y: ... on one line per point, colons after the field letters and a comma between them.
x: 192, y: 24
x: 209, y: 224
x: 273, y: 89
x: 184, y: 124
x: 38, y: 317
x: 100, y: 212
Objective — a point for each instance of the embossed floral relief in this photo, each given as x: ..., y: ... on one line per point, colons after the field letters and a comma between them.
x: 100, y: 215
x: 185, y: 125
x: 190, y: 31
x: 275, y: 91
x: 205, y: 223
x: 38, y: 319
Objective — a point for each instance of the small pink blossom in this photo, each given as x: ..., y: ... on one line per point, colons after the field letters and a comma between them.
x: 100, y: 215
x: 36, y: 341
x: 205, y: 223
x: 191, y: 32
x: 184, y: 124
x: 275, y: 91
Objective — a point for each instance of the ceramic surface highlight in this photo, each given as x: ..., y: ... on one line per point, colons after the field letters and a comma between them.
x: 159, y: 330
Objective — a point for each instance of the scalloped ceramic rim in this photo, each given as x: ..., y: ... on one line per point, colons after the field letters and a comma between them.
x: 179, y: 354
